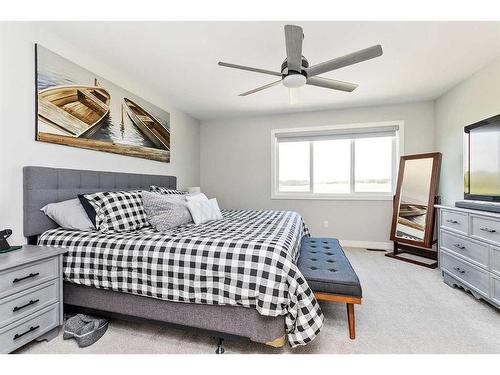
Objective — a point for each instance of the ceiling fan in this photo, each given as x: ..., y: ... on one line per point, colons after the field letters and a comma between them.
x: 296, y: 72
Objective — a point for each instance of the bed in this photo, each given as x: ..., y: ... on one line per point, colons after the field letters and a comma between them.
x: 235, y: 276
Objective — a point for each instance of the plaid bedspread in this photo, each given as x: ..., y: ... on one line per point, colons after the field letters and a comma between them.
x: 245, y: 259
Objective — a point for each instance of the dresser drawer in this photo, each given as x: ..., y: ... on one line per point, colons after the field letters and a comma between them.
x: 495, y: 289
x: 475, y: 252
x: 17, y: 334
x: 470, y: 275
x: 455, y: 221
x: 485, y: 229
x: 23, y: 277
x: 495, y: 260
x: 22, y: 304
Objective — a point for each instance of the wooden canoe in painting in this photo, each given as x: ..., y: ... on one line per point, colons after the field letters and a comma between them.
x: 76, y: 110
x: 412, y: 210
x: 147, y: 124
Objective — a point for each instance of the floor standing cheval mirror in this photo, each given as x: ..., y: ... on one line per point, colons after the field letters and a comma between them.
x: 412, y: 230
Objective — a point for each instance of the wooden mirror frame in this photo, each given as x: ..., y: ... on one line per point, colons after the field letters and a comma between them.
x: 429, y: 220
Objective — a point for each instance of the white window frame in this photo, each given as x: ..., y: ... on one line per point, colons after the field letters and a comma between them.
x: 398, y: 147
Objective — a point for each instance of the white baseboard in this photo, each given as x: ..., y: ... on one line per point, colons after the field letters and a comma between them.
x: 367, y: 244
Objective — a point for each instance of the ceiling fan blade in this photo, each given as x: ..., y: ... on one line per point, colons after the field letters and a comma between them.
x: 340, y: 62
x: 293, y: 38
x: 242, y: 67
x: 261, y: 88
x: 331, y: 84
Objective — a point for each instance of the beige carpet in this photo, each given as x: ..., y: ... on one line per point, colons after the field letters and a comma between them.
x: 406, y: 309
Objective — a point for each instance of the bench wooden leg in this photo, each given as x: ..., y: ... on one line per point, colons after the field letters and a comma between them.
x: 350, y: 301
x: 351, y: 321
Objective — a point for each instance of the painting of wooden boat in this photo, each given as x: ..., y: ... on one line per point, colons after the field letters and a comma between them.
x: 411, y: 220
x: 147, y: 124
x: 79, y: 108
x: 412, y: 210
x: 75, y: 110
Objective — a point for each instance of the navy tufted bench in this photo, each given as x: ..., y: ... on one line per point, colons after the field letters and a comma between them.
x: 330, y: 275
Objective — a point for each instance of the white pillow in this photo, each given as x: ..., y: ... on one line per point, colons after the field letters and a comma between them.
x: 69, y: 215
x: 198, y: 197
x: 204, y: 210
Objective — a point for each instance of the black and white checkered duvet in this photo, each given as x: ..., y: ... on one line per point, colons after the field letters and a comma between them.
x: 246, y: 259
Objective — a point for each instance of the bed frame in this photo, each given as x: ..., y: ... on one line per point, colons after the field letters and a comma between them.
x: 43, y: 185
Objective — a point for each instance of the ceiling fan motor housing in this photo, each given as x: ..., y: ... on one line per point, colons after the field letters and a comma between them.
x: 285, y: 72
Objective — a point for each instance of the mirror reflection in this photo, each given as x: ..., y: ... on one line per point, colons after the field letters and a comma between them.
x: 413, y: 205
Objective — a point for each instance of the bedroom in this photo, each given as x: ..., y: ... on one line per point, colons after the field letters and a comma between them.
x: 100, y: 113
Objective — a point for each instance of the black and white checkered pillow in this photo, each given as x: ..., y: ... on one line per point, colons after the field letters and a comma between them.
x: 164, y: 190
x: 118, y: 210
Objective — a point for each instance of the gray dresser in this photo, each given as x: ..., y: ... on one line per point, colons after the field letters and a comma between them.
x: 30, y: 296
x: 469, y: 251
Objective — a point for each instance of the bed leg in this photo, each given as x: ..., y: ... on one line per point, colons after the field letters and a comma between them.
x: 351, y: 321
x: 220, y: 345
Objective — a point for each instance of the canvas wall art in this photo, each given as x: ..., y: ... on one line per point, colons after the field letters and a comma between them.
x: 78, y: 108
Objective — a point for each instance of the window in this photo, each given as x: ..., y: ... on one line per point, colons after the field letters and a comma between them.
x: 355, y: 162
x: 332, y: 159
x: 294, y: 167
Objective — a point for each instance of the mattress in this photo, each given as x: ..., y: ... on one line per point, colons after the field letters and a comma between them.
x: 246, y: 259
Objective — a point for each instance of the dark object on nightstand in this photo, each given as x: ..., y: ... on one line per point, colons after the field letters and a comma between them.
x: 4, y: 245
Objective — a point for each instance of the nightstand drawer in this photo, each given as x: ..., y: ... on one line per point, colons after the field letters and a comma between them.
x: 485, y: 229
x: 22, y: 304
x: 474, y: 251
x: 474, y: 277
x: 23, y: 277
x: 455, y: 221
x: 17, y: 334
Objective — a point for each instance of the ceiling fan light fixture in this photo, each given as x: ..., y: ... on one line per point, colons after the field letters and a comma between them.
x: 293, y: 81
x: 295, y: 70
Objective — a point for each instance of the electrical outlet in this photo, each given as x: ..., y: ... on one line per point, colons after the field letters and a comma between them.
x: 325, y: 224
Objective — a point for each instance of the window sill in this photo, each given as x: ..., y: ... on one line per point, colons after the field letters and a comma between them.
x: 334, y: 197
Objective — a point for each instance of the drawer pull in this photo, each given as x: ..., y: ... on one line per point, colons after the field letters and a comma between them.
x: 16, y: 280
x: 452, y: 221
x: 459, y: 246
x: 19, y: 335
x: 31, y: 302
x: 486, y: 229
x: 458, y: 269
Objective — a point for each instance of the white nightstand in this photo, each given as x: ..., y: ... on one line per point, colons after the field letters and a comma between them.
x: 31, y: 298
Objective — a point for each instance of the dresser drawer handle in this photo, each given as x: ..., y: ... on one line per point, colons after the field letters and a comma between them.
x: 458, y: 269
x: 19, y: 335
x: 31, y: 302
x: 452, y: 221
x: 16, y: 280
x: 486, y: 229
x: 459, y: 246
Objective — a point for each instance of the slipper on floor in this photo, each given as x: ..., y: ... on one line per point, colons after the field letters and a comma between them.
x: 91, y: 332
x: 72, y: 325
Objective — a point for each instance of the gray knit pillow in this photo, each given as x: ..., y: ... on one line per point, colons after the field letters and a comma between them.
x: 165, y: 211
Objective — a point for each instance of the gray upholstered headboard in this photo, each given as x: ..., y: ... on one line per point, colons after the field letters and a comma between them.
x: 43, y: 185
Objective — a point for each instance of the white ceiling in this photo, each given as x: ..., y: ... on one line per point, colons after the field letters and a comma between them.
x: 421, y: 60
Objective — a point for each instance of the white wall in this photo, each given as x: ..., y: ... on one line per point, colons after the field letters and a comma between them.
x: 17, y: 123
x: 474, y: 99
x: 235, y: 167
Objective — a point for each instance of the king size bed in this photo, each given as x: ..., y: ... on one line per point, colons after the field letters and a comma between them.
x: 233, y: 276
